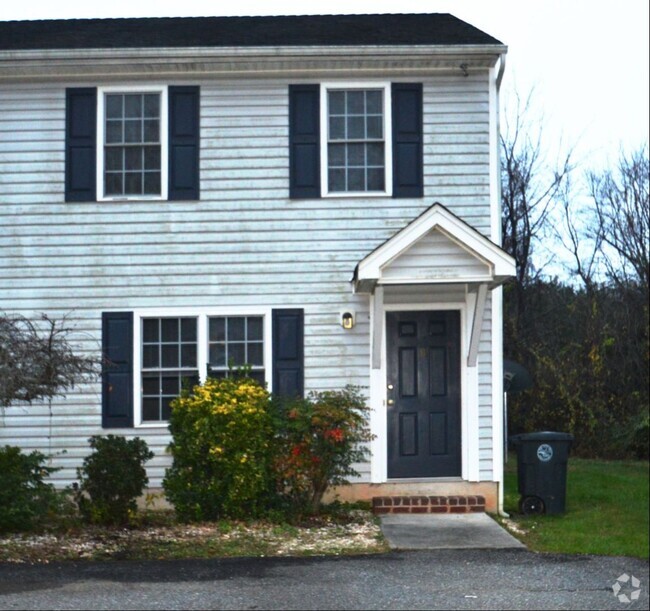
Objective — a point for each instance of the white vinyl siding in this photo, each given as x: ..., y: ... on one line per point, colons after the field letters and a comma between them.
x: 246, y: 245
x: 435, y: 257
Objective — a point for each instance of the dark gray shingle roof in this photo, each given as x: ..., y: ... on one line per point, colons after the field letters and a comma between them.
x: 403, y: 29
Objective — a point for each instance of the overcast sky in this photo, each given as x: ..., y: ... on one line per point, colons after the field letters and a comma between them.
x: 586, y: 59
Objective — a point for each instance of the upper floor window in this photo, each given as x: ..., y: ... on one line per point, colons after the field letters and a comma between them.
x: 132, y: 143
x: 356, y: 139
x: 356, y: 135
x: 132, y: 151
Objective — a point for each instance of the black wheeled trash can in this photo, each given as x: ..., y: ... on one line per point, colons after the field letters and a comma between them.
x: 541, y: 471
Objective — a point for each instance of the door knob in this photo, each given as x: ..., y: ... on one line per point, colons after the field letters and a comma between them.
x: 391, y: 402
x: 390, y: 387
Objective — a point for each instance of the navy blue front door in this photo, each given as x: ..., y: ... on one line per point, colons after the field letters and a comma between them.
x: 423, y: 392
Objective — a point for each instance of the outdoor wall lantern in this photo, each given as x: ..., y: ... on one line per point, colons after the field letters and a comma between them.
x: 347, y: 319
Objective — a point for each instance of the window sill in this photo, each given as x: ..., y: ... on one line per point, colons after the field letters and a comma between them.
x: 356, y: 194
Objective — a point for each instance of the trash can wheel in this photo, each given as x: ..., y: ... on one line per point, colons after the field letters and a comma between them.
x: 531, y: 505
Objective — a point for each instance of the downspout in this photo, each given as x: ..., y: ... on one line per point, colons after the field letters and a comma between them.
x: 502, y: 68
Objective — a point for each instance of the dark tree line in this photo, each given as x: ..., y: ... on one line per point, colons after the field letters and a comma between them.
x: 583, y: 335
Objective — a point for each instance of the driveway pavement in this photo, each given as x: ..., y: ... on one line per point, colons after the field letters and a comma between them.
x: 440, y: 579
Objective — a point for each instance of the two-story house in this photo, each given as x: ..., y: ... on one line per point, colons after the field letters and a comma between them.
x: 316, y: 197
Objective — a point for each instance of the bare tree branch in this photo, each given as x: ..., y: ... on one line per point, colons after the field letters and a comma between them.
x: 37, y: 360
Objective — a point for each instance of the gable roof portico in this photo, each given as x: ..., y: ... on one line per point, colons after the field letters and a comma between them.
x: 409, y: 257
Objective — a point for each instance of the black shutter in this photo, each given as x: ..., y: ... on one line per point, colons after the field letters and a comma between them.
x: 80, y: 145
x: 407, y: 140
x: 184, y: 144
x: 304, y: 141
x: 288, y: 353
x: 117, y: 369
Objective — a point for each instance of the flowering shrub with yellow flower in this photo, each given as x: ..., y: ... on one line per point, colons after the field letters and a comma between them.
x: 221, y: 450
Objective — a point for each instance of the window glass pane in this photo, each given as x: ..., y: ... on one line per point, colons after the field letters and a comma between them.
x: 355, y: 102
x: 113, y: 159
x: 374, y: 127
x: 188, y: 355
x: 150, y: 409
x: 150, y: 356
x: 169, y: 355
x: 356, y: 180
x: 256, y: 354
x: 133, y: 106
x: 113, y: 106
x: 150, y: 384
x: 152, y: 183
x: 113, y: 132
x: 258, y: 375
x: 336, y: 102
x: 188, y: 329
x: 170, y: 385
x: 236, y: 354
x: 151, y: 131
x: 356, y: 155
x: 166, y: 409
x: 113, y: 184
x: 236, y: 329
x: 218, y: 355
x: 132, y: 131
x: 152, y: 157
x: 217, y: 329
x: 356, y: 128
x: 336, y: 180
x: 375, y: 152
x: 337, y: 128
x: 132, y: 183
x: 374, y: 102
x: 150, y: 329
x: 133, y: 158
x: 189, y: 379
x: 169, y: 329
x: 151, y: 105
x: 255, y: 328
x: 376, y: 179
x: 336, y: 155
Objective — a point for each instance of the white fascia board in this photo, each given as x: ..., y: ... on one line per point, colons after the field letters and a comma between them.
x: 437, y: 217
x: 195, y: 62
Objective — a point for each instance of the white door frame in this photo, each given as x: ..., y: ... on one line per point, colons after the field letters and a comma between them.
x: 469, y: 392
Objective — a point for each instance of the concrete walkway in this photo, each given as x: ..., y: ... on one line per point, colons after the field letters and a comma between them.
x: 446, y: 531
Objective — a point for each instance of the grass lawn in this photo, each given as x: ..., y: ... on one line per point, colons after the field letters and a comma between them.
x: 607, y: 510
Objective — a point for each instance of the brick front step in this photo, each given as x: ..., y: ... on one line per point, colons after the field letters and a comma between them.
x: 428, y: 504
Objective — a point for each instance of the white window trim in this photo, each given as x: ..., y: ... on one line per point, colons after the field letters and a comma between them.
x: 202, y: 315
x: 164, y: 141
x: 388, y: 137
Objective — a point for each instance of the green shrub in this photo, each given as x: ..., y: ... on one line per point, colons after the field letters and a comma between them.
x: 112, y: 478
x: 319, y: 440
x: 221, y: 450
x: 25, y: 499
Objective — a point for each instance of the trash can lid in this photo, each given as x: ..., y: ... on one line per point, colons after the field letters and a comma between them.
x: 541, y: 436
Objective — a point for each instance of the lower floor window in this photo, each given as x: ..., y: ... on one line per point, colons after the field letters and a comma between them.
x: 236, y: 342
x: 177, y: 352
x: 169, y: 361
